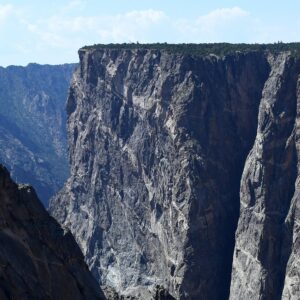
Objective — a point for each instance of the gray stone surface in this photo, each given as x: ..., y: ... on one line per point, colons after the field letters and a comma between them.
x: 38, y: 260
x: 33, y: 142
x: 266, y: 256
x: 158, y: 143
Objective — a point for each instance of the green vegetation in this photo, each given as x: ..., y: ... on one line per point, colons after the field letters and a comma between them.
x: 219, y: 49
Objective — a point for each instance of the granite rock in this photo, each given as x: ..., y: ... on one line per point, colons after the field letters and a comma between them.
x: 266, y: 255
x: 38, y: 259
x: 33, y: 138
x: 158, y: 142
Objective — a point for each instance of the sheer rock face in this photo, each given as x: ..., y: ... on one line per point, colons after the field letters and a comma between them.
x: 38, y: 260
x: 266, y: 261
x: 33, y: 139
x: 158, y: 143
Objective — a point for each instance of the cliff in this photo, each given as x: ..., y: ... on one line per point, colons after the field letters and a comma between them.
x: 38, y: 260
x: 33, y: 139
x: 170, y: 153
x: 266, y: 256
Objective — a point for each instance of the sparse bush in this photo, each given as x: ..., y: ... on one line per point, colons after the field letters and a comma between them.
x: 219, y: 49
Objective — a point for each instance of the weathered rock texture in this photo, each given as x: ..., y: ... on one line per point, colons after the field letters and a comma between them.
x: 38, y: 260
x: 158, y: 144
x: 33, y: 125
x: 266, y: 258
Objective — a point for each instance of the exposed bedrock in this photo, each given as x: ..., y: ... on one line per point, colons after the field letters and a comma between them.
x: 33, y: 139
x: 38, y: 259
x: 266, y: 256
x: 158, y: 145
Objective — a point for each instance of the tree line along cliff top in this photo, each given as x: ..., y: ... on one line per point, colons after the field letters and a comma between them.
x: 219, y: 49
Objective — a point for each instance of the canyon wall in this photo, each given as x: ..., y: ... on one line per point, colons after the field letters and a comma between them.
x: 33, y: 138
x: 266, y: 256
x: 171, y: 153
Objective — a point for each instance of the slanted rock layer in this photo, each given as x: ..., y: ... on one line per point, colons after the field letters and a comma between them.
x: 266, y: 255
x: 170, y: 154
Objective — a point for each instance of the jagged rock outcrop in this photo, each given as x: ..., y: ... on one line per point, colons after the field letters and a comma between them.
x: 266, y: 261
x: 158, y: 142
x: 38, y: 260
x: 33, y: 125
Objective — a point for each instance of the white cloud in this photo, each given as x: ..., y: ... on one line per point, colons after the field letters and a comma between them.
x: 222, y: 15
x: 131, y: 26
x: 215, y: 26
x: 134, y: 18
x: 57, y: 37
x: 66, y: 30
x: 144, y: 17
x: 72, y: 6
x: 5, y: 11
x: 47, y: 37
x: 215, y: 20
x: 60, y: 31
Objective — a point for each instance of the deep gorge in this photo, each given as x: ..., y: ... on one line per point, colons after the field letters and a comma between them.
x: 183, y: 176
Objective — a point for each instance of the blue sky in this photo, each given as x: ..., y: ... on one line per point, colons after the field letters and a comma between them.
x: 52, y: 31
